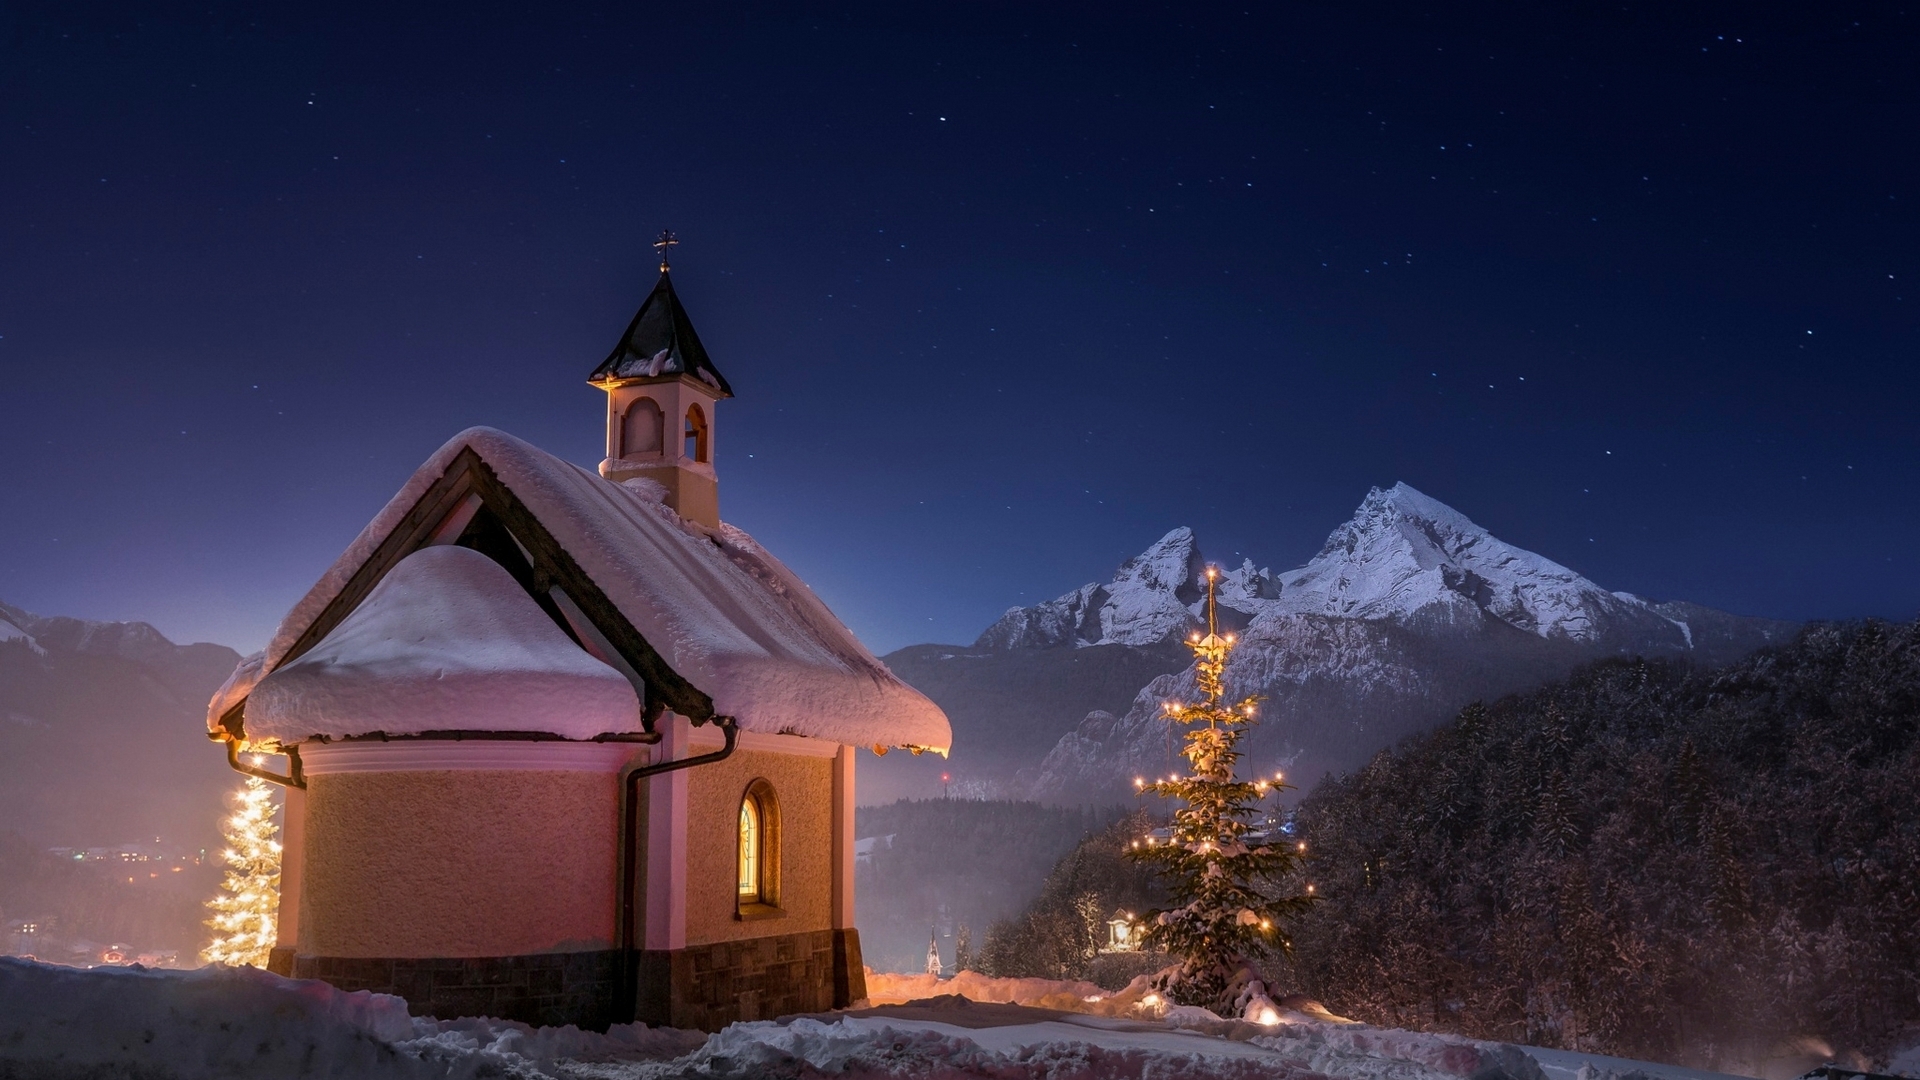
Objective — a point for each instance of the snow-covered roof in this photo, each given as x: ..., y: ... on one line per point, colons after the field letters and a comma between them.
x: 447, y: 641
x: 721, y: 613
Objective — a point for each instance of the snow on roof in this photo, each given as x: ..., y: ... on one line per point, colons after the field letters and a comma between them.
x: 447, y: 641
x: 723, y: 613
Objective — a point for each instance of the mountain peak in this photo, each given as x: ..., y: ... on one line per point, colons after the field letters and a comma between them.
x: 1172, y: 564
x: 1154, y: 597
x: 1409, y: 501
x: 1411, y: 558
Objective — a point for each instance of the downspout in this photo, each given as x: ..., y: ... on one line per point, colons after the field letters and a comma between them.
x: 630, y: 877
x: 295, y: 778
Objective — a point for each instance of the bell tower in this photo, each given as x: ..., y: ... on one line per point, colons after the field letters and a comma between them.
x: 661, y: 392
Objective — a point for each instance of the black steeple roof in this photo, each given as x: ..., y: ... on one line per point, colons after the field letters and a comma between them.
x: 660, y: 343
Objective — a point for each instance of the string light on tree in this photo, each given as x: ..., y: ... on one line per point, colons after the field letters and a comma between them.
x: 1219, y: 871
x: 243, y: 910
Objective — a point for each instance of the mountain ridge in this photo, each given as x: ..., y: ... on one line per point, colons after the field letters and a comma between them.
x: 1403, y: 555
x: 1408, y: 611
x: 100, y: 732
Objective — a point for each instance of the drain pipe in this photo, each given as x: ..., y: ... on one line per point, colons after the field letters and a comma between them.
x: 630, y: 877
x: 295, y: 778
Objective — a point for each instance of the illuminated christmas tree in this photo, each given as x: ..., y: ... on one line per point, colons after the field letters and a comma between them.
x: 243, y: 910
x: 1222, y: 873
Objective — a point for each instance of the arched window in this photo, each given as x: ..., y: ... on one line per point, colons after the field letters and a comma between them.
x: 758, y: 877
x: 696, y: 447
x: 749, y: 850
x: 641, y: 430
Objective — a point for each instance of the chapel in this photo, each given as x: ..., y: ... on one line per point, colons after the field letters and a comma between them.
x: 563, y: 746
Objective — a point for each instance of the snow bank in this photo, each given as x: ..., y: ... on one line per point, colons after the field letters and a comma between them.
x: 447, y: 641
x: 725, y: 614
x: 220, y: 1022
x: 1576, y: 1065
x: 885, y: 988
x: 874, y: 1048
x: 1906, y: 1061
x: 241, y: 1022
x: 1387, y: 1054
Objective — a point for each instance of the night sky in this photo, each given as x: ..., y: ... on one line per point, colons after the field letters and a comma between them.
x: 1005, y: 294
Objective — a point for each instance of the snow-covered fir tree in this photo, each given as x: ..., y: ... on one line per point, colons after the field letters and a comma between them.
x: 1222, y: 875
x: 243, y: 910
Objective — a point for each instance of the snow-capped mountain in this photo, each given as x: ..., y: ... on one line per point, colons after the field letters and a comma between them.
x: 1407, y: 612
x: 1404, y: 557
x: 1152, y: 598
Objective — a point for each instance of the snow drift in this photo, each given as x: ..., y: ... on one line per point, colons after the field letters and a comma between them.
x: 222, y: 1022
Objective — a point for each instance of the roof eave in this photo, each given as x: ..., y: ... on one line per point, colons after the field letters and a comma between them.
x: 615, y: 382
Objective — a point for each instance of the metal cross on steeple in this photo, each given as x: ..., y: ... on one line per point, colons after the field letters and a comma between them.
x: 665, y: 241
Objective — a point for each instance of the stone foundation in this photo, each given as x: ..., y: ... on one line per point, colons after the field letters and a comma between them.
x: 542, y: 990
x: 705, y: 987
x: 710, y: 986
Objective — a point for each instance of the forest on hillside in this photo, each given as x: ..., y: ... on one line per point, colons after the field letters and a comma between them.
x: 942, y: 864
x: 1063, y: 932
x: 1646, y: 859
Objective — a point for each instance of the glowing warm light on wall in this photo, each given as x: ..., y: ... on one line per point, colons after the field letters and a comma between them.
x: 749, y: 849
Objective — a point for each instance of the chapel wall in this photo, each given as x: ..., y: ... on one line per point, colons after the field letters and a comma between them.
x: 803, y: 786
x: 470, y: 863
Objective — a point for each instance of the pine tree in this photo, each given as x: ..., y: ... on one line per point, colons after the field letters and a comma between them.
x: 244, y: 909
x: 1553, y: 818
x: 1220, y: 874
x: 963, y: 959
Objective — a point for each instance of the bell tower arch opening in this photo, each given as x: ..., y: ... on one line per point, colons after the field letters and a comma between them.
x: 658, y: 375
x: 696, y: 447
x: 641, y: 431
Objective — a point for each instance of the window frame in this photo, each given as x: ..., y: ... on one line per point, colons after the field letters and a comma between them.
x: 765, y: 902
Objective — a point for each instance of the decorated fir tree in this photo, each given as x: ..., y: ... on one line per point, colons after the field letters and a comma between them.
x: 243, y: 910
x: 1223, y: 875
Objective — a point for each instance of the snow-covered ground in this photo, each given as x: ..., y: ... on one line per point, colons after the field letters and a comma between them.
x: 239, y: 1022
